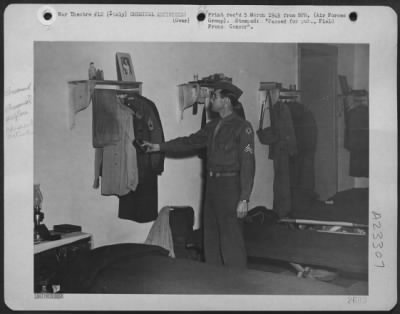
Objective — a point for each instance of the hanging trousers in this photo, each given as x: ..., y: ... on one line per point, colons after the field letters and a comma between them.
x: 281, y: 185
x: 223, y: 234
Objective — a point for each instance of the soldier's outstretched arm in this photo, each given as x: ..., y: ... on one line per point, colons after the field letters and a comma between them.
x: 194, y: 141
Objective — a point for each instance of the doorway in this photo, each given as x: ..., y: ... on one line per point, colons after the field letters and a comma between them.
x: 317, y: 82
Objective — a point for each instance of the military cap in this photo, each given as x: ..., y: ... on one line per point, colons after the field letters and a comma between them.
x: 236, y: 91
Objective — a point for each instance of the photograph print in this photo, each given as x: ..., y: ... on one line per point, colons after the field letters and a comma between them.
x: 125, y: 70
x: 263, y: 189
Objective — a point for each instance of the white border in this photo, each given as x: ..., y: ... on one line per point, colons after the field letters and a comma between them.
x: 376, y: 26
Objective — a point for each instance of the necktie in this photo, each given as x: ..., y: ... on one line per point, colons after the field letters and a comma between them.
x: 215, y: 134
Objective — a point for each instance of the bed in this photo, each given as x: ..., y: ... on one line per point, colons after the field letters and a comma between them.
x: 349, y: 206
x: 134, y: 268
x: 331, y: 234
x: 344, y: 252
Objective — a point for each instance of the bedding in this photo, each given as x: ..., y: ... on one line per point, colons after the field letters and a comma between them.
x: 331, y: 242
x: 345, y: 252
x: 347, y: 206
x: 147, y: 269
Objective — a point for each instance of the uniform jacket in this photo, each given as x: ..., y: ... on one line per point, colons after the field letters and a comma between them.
x: 148, y: 127
x: 209, y: 115
x: 305, y: 127
x: 357, y: 140
x: 282, y: 123
x: 141, y: 205
x: 125, y: 171
x: 302, y: 164
x: 280, y: 151
x: 357, y: 128
x: 230, y: 149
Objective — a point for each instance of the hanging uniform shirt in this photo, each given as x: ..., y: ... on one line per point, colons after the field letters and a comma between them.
x: 117, y: 164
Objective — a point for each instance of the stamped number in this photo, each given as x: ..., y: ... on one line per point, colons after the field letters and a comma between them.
x: 356, y: 300
x: 377, y: 237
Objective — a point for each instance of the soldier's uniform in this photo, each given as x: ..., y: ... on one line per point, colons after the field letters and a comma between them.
x: 230, y: 170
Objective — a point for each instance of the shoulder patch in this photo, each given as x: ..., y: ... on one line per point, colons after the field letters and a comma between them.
x: 248, y: 149
x: 248, y: 130
x: 150, y: 124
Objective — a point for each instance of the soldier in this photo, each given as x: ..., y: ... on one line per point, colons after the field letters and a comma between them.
x: 230, y: 169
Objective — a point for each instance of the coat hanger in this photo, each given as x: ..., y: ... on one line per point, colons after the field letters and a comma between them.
x: 125, y: 99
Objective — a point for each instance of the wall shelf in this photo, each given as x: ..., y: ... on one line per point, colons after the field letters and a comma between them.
x: 108, y: 82
x: 118, y: 84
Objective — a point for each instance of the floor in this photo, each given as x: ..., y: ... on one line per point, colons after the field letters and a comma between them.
x: 356, y: 283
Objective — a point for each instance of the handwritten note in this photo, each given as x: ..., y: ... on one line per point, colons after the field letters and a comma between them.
x: 18, y: 111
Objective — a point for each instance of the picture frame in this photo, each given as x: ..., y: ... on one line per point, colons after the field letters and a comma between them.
x: 125, y: 71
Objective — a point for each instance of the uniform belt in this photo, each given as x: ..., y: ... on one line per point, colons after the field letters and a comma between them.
x: 223, y: 174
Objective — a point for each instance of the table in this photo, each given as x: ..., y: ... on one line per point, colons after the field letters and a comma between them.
x: 50, y: 257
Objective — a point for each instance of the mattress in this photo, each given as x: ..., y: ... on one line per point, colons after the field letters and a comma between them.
x: 347, y: 206
x: 345, y: 252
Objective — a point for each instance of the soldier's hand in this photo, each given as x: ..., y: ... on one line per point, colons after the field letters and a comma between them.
x: 242, y: 209
x: 150, y: 147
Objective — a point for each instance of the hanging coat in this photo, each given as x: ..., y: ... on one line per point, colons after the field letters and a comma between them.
x: 141, y: 205
x: 357, y: 140
x: 280, y: 151
x: 302, y: 174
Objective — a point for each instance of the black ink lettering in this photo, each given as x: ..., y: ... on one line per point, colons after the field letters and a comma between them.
x: 380, y: 245
x: 376, y: 215
x: 378, y: 235
x: 380, y: 265
x: 376, y: 226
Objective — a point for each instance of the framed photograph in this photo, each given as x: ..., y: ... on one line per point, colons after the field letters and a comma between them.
x: 125, y: 70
